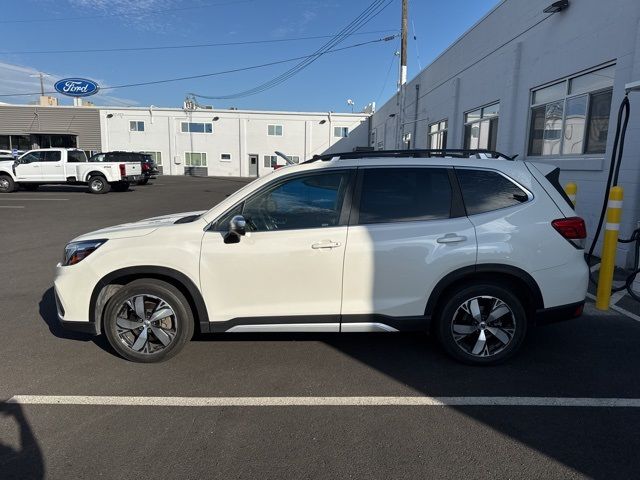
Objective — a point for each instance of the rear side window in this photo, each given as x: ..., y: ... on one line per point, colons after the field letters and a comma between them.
x: 76, y: 156
x: 404, y: 195
x: 485, y: 191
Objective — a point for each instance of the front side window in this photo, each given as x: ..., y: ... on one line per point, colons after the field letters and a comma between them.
x: 135, y: 126
x: 341, y: 132
x: 571, y: 117
x: 481, y: 128
x: 404, y: 195
x: 195, y: 159
x: 274, y: 130
x: 312, y: 201
x: 485, y: 191
x: 438, y: 135
x: 197, y: 127
x: 32, y: 157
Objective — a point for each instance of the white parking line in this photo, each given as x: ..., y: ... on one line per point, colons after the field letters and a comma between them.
x: 618, y: 309
x: 325, y: 401
x: 11, y: 206
x: 21, y: 199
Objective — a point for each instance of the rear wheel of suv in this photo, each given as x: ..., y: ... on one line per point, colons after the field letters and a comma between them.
x: 482, y: 324
x: 148, y: 321
x: 99, y: 184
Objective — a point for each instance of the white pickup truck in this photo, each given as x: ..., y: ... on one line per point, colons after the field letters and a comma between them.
x: 66, y: 166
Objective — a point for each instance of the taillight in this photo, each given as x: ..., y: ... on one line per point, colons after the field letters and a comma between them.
x: 571, y: 228
x: 145, y: 167
x: 123, y: 170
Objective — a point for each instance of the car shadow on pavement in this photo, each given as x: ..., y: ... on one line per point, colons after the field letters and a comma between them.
x: 49, y: 313
x: 26, y: 461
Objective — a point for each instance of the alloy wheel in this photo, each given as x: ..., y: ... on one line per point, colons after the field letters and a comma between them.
x: 483, y: 326
x: 96, y: 185
x: 146, y: 324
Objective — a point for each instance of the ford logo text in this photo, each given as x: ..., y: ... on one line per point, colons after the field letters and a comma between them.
x: 76, y: 87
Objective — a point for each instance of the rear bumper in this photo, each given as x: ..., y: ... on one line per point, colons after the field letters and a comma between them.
x: 132, y: 178
x: 559, y: 313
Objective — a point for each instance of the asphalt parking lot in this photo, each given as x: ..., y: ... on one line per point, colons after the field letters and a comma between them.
x: 594, y: 357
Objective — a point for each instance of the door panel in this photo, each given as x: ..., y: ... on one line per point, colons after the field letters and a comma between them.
x: 51, y: 166
x: 274, y: 274
x: 391, y: 268
x: 30, y: 168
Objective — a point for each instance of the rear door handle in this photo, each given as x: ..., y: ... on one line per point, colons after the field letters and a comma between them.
x: 325, y: 244
x: 451, y: 238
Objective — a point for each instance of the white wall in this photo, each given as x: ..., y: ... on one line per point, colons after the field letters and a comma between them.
x: 496, y: 61
x: 236, y: 132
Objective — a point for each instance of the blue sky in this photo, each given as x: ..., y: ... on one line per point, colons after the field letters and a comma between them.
x: 360, y: 73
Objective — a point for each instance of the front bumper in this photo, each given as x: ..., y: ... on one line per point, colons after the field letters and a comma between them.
x: 88, y: 327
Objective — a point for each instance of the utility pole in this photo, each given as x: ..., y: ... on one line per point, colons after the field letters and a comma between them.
x: 402, y: 74
x: 403, y: 45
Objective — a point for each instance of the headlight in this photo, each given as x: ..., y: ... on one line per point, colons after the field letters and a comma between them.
x: 75, y: 252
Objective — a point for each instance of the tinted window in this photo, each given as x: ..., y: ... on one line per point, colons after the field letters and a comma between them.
x: 98, y: 158
x: 51, y: 156
x: 404, y: 194
x: 484, y: 191
x: 313, y: 201
x: 76, y: 156
x: 31, y: 157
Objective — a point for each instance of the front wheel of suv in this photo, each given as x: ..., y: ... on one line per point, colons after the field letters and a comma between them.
x: 148, y: 321
x: 482, y: 324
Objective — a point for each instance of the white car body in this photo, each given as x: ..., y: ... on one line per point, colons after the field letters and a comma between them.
x: 348, y: 277
x: 61, y: 171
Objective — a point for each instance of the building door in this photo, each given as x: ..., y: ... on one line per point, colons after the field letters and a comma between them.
x: 253, y: 165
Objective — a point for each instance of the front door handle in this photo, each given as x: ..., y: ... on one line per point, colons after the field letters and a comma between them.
x: 325, y: 244
x: 451, y: 238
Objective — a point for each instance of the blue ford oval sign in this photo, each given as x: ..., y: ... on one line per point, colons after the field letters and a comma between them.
x: 76, y: 87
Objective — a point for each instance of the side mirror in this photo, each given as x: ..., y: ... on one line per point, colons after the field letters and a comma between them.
x: 237, y: 228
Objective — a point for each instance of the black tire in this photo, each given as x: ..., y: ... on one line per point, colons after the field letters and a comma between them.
x: 120, y: 186
x: 143, y: 182
x: 123, y: 340
x: 98, y: 184
x: 30, y: 186
x: 7, y: 185
x: 466, y: 344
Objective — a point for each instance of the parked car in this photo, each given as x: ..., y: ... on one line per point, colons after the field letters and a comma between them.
x: 6, y: 155
x: 474, y: 249
x: 148, y: 165
x: 65, y: 166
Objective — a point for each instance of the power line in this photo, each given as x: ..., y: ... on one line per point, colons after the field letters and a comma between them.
x: 122, y: 14
x: 362, y: 19
x: 175, y: 47
x: 223, y: 72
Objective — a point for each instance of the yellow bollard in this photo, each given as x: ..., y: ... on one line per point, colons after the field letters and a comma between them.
x: 608, y: 259
x: 571, y: 189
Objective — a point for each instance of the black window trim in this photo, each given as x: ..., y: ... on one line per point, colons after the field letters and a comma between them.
x: 345, y: 211
x: 529, y: 193
x: 456, y: 210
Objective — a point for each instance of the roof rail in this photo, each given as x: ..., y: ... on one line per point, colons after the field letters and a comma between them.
x: 445, y: 152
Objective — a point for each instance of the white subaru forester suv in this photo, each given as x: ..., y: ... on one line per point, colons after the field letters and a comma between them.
x: 469, y: 245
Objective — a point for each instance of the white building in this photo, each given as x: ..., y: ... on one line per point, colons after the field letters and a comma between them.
x: 228, y: 142
x: 544, y: 86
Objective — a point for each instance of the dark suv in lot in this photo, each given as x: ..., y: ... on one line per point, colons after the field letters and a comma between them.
x: 149, y: 169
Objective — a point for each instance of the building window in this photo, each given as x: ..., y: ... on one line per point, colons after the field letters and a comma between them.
x: 341, y: 132
x: 571, y: 117
x: 372, y: 139
x: 380, y: 146
x: 294, y: 158
x: 195, y: 159
x: 274, y: 130
x: 135, y: 126
x: 270, y: 161
x: 225, y: 157
x: 481, y: 128
x: 438, y: 135
x: 197, y: 127
x: 156, y: 156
